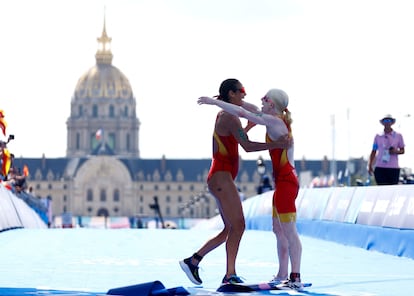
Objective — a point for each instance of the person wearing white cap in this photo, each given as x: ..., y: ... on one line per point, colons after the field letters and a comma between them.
x: 383, y: 160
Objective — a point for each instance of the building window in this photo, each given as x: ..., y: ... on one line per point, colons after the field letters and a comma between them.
x: 77, y: 144
x: 141, y: 198
x: 90, y: 209
x: 116, y: 210
x: 116, y: 195
x: 95, y: 111
x: 167, y: 210
x: 156, y: 187
x: 111, y: 141
x: 111, y: 111
x: 128, y: 142
x: 49, y: 186
x: 191, y: 187
x: 180, y: 198
x: 65, y: 186
x: 168, y: 198
x: 37, y: 186
x: 168, y: 187
x: 65, y: 198
x: 141, y: 187
x: 103, y: 195
x: 89, y: 195
x: 180, y: 188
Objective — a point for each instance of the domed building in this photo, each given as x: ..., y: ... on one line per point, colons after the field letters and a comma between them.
x: 103, y: 110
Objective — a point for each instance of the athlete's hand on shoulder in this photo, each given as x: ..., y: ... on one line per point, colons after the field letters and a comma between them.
x: 206, y: 100
x: 249, y: 125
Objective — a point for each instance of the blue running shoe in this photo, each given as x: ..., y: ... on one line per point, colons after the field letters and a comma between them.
x: 233, y: 279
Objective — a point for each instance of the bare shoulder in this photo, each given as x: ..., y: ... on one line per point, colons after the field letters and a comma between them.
x: 227, y: 123
x: 277, y: 130
x: 228, y: 118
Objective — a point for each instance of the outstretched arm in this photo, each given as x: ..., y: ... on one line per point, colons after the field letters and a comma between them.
x: 256, y: 117
x: 238, y: 132
x: 250, y: 107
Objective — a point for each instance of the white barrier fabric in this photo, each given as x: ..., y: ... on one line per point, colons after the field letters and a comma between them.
x: 400, y: 210
x: 338, y: 204
x: 8, y: 217
x: 407, y: 221
x: 376, y: 204
x: 355, y: 204
x: 15, y: 213
x: 313, y: 203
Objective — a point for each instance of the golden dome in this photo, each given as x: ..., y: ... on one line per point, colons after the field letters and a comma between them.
x: 103, y: 81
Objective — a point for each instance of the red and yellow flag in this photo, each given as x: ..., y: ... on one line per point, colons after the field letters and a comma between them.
x: 3, y: 123
x: 25, y: 171
x: 6, y: 162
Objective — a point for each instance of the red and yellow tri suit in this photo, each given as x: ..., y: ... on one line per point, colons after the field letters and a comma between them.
x: 286, y: 183
x: 225, y: 155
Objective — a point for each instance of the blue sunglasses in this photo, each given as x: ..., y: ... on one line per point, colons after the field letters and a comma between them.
x: 388, y: 120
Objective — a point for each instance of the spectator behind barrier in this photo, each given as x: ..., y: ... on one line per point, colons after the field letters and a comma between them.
x: 14, y: 180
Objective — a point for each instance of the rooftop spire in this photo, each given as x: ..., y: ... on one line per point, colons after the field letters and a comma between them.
x: 103, y: 54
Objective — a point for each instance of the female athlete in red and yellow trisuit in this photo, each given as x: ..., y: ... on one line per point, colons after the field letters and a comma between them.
x: 276, y: 117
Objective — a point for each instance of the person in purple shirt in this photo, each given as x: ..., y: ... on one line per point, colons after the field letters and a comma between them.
x: 383, y: 161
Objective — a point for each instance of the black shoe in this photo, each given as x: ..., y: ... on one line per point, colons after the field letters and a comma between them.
x: 191, y: 271
x: 233, y: 279
x: 295, y: 282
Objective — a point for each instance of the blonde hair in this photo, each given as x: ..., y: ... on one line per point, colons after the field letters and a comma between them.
x: 281, y: 101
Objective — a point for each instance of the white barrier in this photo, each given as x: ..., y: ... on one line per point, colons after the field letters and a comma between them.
x: 15, y: 213
x: 311, y: 204
x: 386, y: 206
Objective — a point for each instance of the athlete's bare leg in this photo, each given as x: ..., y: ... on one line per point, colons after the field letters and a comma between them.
x: 222, y: 186
x: 211, y: 244
x: 282, y: 250
x: 295, y: 246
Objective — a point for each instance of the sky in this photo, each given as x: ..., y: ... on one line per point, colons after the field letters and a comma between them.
x: 344, y: 64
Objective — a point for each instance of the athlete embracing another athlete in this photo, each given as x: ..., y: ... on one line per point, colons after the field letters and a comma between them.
x: 276, y: 117
x: 228, y: 134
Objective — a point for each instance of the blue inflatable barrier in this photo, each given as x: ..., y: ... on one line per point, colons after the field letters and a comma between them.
x: 397, y: 242
x: 155, y: 288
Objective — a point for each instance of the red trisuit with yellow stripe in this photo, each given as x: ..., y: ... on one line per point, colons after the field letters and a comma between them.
x: 225, y: 155
x: 286, y: 184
